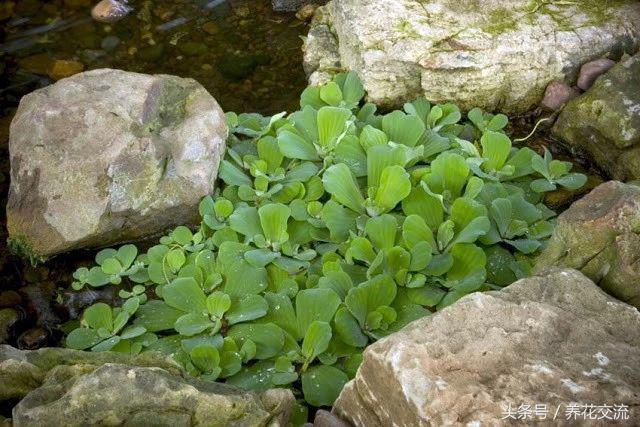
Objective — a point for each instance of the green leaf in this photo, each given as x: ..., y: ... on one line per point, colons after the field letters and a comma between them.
x: 467, y: 258
x: 268, y: 338
x: 157, y: 316
x: 402, y: 128
x: 338, y: 220
x: 241, y: 278
x: 111, y: 266
x: 379, y: 157
x: 331, y: 93
x: 206, y: 358
x: 182, y: 235
x: 496, y: 147
x: 185, y: 294
x: 249, y: 307
x: 82, y: 338
x: 245, y: 220
x: 260, y: 257
x: 395, y: 185
x: 368, y: 296
x: 449, y: 172
x: 424, y: 205
x: 218, y: 303
x: 381, y: 231
x: 273, y: 218
x: 126, y: 255
x: 295, y: 146
x: 333, y: 123
x: 340, y: 183
x: 348, y: 329
x: 322, y: 384
x: 316, y: 340
x: 315, y: 304
x: 98, y: 316
x: 572, y: 181
x: 337, y: 281
x: 352, y: 89
x: 192, y: 323
x: 232, y: 175
x: 415, y: 230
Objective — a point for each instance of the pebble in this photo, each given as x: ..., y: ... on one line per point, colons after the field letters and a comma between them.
x: 110, y: 10
x: 110, y: 42
x: 62, y: 68
x: 305, y: 13
x: 10, y: 299
x: 327, y: 419
x: 8, y: 318
x: 557, y: 94
x: 590, y: 71
x: 33, y: 338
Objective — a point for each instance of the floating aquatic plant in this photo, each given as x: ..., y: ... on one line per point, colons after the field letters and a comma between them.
x: 333, y: 226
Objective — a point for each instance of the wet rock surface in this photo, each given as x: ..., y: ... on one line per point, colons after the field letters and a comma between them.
x: 68, y: 387
x: 557, y: 94
x: 600, y: 235
x: 590, y: 71
x: 487, y: 54
x: 604, y: 122
x: 553, y: 339
x: 109, y: 156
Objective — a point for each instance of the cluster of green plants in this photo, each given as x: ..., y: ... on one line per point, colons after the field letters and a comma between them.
x: 333, y: 227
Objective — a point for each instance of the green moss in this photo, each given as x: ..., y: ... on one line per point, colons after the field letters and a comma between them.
x: 499, y: 21
x: 20, y: 246
x: 407, y: 28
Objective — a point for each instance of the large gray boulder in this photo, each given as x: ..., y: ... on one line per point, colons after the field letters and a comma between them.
x: 61, y: 387
x: 600, y: 236
x: 604, y: 122
x: 108, y: 156
x: 494, y: 54
x: 555, y: 339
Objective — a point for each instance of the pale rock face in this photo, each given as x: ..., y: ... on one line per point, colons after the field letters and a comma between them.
x: 493, y: 54
x: 551, y: 339
x: 108, y: 156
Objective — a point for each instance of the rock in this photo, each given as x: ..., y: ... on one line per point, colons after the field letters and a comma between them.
x: 292, y: 5
x: 485, y: 54
x: 305, y: 13
x: 327, y: 419
x: 108, y: 156
x: 604, y: 122
x: 590, y: 71
x: 552, y: 339
x: 8, y: 318
x: 69, y: 387
x: 110, y: 11
x: 33, y: 338
x: 600, y: 236
x: 22, y: 371
x: 557, y: 94
x: 62, y: 68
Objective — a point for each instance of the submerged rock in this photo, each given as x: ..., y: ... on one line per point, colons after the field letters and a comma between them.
x: 604, y: 122
x: 490, y: 54
x: 108, y: 156
x: 600, y: 235
x: 69, y: 387
x: 553, y: 339
x: 293, y: 5
x: 110, y: 11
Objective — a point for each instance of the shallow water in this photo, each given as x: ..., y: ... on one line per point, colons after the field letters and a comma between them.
x: 245, y: 54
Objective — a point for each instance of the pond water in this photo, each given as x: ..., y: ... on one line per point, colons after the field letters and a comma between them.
x: 245, y: 54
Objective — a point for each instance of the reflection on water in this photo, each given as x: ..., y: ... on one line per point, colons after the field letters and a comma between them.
x: 246, y: 55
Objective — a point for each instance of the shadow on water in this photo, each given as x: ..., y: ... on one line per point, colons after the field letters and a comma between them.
x: 245, y: 54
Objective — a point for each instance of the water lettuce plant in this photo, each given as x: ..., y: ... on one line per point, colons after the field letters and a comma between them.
x: 332, y: 227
